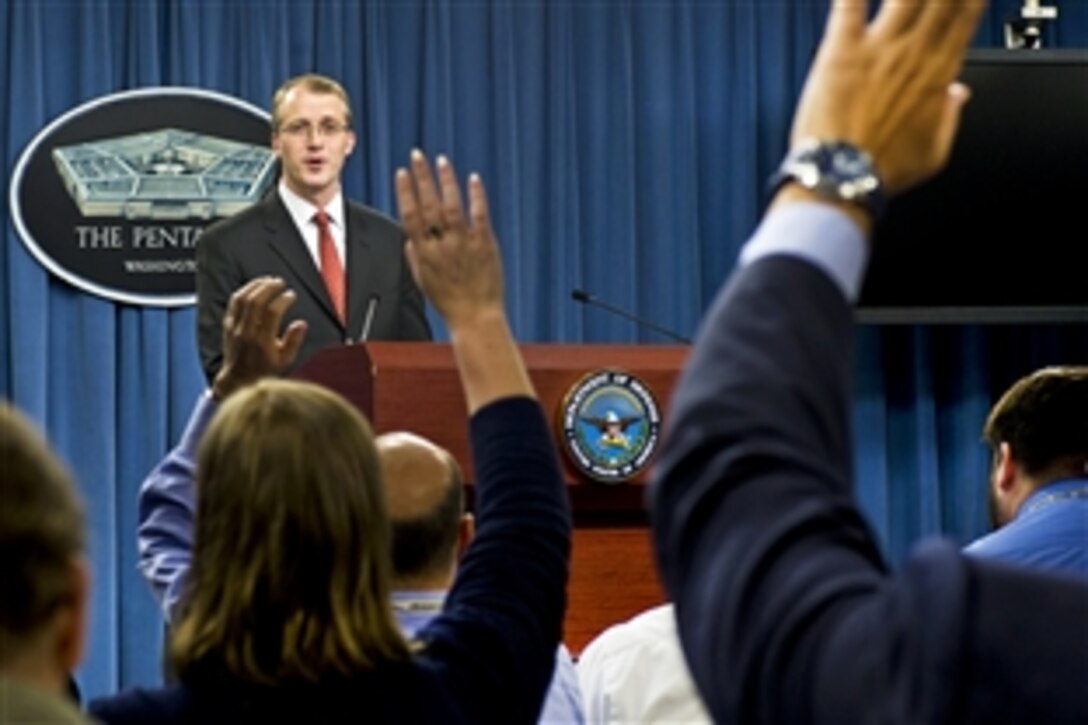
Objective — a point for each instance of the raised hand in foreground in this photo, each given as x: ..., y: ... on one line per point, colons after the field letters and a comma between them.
x: 456, y: 263
x: 889, y: 86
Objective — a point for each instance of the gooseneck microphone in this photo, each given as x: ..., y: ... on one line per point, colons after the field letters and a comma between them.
x: 588, y: 299
x: 368, y: 319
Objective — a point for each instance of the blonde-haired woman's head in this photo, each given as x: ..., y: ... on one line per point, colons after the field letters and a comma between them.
x: 291, y: 563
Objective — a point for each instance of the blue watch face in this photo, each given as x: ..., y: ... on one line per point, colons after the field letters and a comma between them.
x: 837, y: 170
x: 849, y: 162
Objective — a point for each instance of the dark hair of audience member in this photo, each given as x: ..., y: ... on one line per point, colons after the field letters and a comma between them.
x: 1044, y: 419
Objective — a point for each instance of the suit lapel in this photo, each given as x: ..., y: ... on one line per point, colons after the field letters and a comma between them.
x: 360, y: 284
x: 285, y: 240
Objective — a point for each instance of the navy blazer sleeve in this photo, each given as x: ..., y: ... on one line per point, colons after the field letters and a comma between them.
x: 786, y: 611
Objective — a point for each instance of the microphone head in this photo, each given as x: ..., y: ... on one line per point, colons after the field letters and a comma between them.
x: 579, y: 295
x: 368, y: 321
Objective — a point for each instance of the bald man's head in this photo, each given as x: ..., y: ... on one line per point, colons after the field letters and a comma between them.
x: 425, y: 498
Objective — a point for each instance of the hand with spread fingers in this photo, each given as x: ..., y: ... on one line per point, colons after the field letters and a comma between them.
x: 252, y: 345
x: 889, y: 86
x: 456, y: 263
x: 455, y: 260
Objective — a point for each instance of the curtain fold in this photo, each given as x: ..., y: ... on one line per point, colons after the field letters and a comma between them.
x: 625, y: 147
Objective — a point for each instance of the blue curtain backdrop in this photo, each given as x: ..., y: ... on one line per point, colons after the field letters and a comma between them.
x: 624, y: 143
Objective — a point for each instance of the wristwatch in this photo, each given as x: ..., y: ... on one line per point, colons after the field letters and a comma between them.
x: 836, y: 170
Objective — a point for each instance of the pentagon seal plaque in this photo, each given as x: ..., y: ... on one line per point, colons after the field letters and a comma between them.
x: 113, y: 195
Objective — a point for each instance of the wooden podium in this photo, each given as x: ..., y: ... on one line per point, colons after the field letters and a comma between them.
x: 414, y: 386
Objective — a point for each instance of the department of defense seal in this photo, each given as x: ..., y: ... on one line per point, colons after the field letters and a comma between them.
x: 609, y: 423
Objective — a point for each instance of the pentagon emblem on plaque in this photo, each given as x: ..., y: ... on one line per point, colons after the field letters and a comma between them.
x: 113, y: 196
x: 609, y: 424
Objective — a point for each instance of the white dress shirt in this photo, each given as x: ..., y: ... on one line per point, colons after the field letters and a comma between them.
x: 302, y: 213
x: 634, y: 672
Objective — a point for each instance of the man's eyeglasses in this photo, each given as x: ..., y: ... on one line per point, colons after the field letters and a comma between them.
x: 305, y: 129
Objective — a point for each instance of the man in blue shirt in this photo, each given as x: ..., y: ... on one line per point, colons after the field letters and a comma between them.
x: 1038, y: 432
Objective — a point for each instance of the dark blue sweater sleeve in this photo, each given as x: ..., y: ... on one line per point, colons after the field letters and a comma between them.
x: 503, y: 618
x: 786, y: 611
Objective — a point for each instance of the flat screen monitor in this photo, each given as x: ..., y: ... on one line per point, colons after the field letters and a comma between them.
x: 1000, y: 235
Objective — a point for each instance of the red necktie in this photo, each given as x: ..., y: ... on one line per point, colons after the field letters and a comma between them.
x: 331, y: 269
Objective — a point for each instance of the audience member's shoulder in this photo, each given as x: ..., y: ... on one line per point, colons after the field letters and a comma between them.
x: 644, y: 629
x: 24, y: 702
x: 660, y: 619
x: 1060, y: 552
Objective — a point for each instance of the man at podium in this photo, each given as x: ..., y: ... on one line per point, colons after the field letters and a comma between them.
x: 344, y: 261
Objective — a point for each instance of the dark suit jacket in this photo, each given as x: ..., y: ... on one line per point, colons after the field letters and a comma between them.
x: 263, y: 240
x: 786, y: 610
